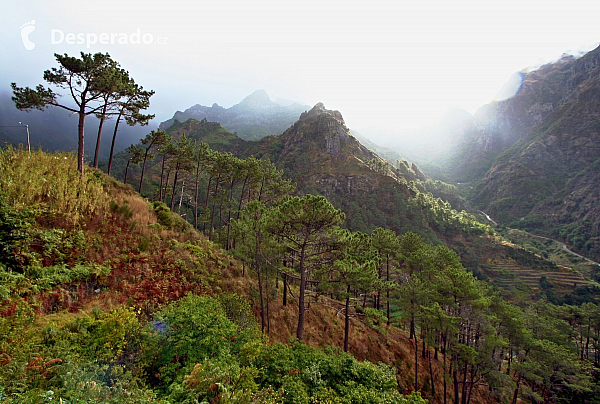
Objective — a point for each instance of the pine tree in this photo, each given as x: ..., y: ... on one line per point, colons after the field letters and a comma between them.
x: 306, y: 226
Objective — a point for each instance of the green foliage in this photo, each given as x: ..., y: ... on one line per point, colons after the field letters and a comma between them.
x: 103, y: 337
x: 306, y: 373
x: 13, y: 232
x: 168, y: 219
x: 223, y: 382
x: 190, y: 331
x: 203, y: 348
x: 47, y: 277
x: 37, y: 278
x: 123, y: 210
x: 307, y: 225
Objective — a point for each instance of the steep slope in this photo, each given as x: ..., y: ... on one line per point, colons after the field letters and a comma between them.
x: 322, y: 157
x: 498, y: 125
x: 319, y: 153
x: 255, y: 117
x: 385, y: 152
x: 95, y: 266
x: 548, y: 180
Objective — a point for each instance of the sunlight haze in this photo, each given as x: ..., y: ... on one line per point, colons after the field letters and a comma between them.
x: 389, y: 66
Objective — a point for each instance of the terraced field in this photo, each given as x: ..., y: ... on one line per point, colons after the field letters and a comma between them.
x: 510, y: 276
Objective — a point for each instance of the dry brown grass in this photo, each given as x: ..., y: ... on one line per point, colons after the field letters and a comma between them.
x: 391, y: 345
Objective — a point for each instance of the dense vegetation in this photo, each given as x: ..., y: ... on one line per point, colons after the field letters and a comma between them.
x: 69, y: 240
x: 397, y: 197
x: 107, y: 297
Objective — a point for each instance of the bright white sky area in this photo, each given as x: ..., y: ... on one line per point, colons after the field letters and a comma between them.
x: 392, y: 66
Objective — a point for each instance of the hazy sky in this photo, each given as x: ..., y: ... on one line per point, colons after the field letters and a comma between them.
x: 396, y: 65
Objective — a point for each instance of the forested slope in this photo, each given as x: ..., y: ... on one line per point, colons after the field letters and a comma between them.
x: 107, y: 296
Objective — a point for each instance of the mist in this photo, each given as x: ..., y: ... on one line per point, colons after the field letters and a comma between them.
x: 395, y: 70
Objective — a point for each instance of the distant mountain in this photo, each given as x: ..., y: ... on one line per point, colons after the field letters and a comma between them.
x: 534, y: 158
x: 319, y: 148
x: 500, y: 124
x: 255, y: 117
x: 320, y: 154
x: 56, y: 129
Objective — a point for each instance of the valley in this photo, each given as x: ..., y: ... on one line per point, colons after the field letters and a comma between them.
x: 263, y: 253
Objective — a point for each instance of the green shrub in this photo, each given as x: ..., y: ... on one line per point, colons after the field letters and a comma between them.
x: 188, y: 332
x: 169, y: 219
x: 13, y: 232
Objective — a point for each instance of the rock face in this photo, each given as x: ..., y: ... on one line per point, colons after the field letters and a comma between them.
x: 321, y: 153
x: 543, y: 147
x: 321, y: 156
x: 255, y: 117
x: 500, y: 124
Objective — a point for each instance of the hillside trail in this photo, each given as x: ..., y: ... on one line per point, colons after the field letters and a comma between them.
x: 564, y: 246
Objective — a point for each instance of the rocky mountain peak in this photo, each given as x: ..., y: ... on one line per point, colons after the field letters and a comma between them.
x: 259, y: 98
x: 326, y: 128
x: 320, y: 110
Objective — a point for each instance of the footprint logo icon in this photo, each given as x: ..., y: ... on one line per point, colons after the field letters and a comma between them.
x: 27, y: 29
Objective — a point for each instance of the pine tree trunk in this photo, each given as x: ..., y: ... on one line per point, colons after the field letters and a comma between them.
x: 387, y: 292
x: 126, y: 171
x: 268, y: 301
x: 242, y: 198
x: 227, y: 246
x: 416, y: 364
x: 81, y: 138
x: 464, y: 385
x: 516, y: 392
x: 112, y: 144
x: 284, y: 290
x: 347, y: 320
x: 181, y: 198
x: 472, y: 384
x: 166, y: 185
x: 444, y: 375
x: 206, y: 203
x: 587, y: 340
x: 431, y: 376
x: 174, y: 193
x: 300, y: 329
x: 143, y: 168
x: 212, y: 215
x: 162, y: 171
x: 456, y: 390
x: 196, y: 197
x: 260, y: 290
x: 97, y: 151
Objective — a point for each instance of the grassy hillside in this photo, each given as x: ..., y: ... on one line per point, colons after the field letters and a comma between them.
x: 106, y: 296
x: 93, y: 275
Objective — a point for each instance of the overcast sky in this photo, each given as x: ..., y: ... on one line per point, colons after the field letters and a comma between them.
x: 393, y: 65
